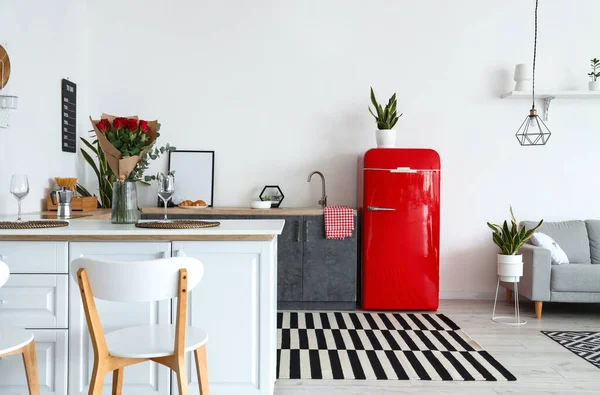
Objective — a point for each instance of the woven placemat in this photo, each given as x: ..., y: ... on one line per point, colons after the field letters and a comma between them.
x: 178, y: 224
x: 32, y: 224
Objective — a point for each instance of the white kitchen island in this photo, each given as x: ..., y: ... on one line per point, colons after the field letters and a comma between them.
x: 235, y: 303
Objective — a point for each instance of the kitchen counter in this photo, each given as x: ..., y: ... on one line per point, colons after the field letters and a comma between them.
x: 99, y: 230
x: 235, y: 303
x: 101, y: 214
x: 237, y: 211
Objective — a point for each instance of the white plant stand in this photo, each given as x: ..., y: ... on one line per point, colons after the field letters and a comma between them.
x: 508, y: 320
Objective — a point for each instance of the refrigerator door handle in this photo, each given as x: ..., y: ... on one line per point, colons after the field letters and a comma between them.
x: 374, y: 208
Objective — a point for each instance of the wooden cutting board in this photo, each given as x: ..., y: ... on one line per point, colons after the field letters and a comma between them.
x: 4, y: 60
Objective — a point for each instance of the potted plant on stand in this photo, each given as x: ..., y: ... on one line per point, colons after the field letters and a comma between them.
x: 594, y: 84
x: 510, y: 239
x: 386, y: 119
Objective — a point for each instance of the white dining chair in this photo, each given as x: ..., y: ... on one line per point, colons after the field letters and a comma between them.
x: 19, y: 341
x: 142, y: 281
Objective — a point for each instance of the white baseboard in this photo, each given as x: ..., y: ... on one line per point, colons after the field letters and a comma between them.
x: 470, y: 295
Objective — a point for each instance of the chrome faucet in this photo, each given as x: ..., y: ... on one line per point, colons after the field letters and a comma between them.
x: 323, y: 201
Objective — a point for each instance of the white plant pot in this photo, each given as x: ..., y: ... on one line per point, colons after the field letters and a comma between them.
x: 594, y: 85
x: 510, y: 268
x: 386, y: 138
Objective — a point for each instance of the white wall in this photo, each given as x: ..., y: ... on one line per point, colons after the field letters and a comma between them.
x: 43, y: 40
x: 280, y: 88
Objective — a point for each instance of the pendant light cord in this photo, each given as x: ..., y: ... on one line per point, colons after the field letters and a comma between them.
x: 534, y: 52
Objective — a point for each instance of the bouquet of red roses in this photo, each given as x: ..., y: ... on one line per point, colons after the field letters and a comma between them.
x: 125, y: 141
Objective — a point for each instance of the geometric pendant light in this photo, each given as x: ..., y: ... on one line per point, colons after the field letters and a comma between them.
x: 533, y: 131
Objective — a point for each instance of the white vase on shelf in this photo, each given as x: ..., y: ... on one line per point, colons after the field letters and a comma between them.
x: 594, y: 86
x: 386, y: 138
x: 523, y: 78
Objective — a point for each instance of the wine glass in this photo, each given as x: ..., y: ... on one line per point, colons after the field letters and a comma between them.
x: 19, y: 187
x: 166, y: 188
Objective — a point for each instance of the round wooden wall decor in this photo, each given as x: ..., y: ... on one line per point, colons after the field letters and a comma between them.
x: 6, y: 61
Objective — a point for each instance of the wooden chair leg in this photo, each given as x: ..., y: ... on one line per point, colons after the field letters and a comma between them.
x: 31, y: 369
x: 538, y: 310
x: 202, y: 369
x: 509, y: 294
x: 117, y: 382
x: 181, y: 376
x: 97, y: 381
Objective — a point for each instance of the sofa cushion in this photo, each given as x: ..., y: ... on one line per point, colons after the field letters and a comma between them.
x: 575, y: 278
x: 571, y: 236
x: 557, y: 255
x: 593, y: 228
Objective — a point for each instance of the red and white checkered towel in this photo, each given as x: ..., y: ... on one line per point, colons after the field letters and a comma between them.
x: 339, y: 222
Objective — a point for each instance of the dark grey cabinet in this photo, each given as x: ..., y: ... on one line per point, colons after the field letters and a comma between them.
x: 329, y: 266
x: 312, y: 271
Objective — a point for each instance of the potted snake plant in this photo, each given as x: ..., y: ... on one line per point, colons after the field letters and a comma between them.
x: 386, y: 119
x: 510, y: 238
x: 594, y: 74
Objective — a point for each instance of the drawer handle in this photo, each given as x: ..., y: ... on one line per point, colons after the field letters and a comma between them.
x: 3, y: 301
x: 3, y: 257
x: 298, y: 226
x: 306, y: 223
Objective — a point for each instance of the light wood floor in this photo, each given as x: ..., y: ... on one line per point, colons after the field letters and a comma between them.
x: 540, y: 365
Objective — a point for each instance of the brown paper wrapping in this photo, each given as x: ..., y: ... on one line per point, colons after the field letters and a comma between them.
x: 122, y: 167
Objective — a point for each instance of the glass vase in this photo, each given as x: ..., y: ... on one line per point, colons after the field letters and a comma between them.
x: 124, y: 203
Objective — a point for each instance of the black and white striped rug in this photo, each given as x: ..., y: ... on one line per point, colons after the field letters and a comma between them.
x: 584, y: 344
x: 380, y: 346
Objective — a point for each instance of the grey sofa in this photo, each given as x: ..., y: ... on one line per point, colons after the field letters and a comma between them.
x: 577, y: 282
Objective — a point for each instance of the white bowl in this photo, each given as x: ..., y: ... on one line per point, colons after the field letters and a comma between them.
x: 260, y: 204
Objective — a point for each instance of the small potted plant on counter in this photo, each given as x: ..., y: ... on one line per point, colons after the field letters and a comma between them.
x: 594, y: 84
x: 510, y: 239
x: 386, y: 119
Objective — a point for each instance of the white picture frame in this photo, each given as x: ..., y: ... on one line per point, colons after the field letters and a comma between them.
x: 194, y: 175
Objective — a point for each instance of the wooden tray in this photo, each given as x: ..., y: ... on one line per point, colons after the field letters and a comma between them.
x: 89, y: 203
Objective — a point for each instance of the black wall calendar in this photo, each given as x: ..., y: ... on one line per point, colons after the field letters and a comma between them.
x: 69, y: 116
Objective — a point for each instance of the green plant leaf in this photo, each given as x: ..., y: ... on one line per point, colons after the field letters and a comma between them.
x: 493, y: 227
x: 91, y: 162
x: 82, y: 191
x: 505, y: 229
x: 497, y: 239
x: 371, y: 111
x: 512, y: 215
x: 89, y: 145
x: 373, y: 99
x: 392, y: 100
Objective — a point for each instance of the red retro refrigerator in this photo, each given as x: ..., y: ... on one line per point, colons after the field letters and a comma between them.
x: 399, y: 203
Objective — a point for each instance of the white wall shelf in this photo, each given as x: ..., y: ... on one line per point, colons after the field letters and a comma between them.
x: 548, y: 97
